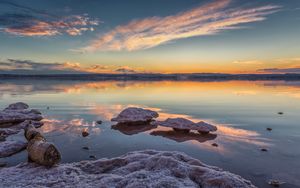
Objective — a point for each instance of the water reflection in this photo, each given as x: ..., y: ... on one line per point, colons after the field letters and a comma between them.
x: 183, y: 137
x: 241, y: 110
x: 132, y: 129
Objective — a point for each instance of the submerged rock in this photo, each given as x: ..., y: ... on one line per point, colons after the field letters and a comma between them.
x: 136, y: 169
x: 275, y: 183
x: 185, y: 125
x: 135, y: 115
x: 10, y: 147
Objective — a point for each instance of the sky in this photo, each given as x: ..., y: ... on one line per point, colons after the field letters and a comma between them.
x: 157, y: 36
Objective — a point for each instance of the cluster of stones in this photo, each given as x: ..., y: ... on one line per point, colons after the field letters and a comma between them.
x: 134, y: 116
x: 13, y: 119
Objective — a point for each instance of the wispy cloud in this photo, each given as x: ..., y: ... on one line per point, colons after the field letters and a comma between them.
x: 25, y: 21
x: 28, y: 66
x: 207, y: 19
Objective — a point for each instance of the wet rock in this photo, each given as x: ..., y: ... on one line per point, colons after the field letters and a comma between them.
x: 136, y: 169
x: 99, y: 122
x: 92, y: 157
x: 263, y: 149
x: 280, y: 113
x: 10, y: 147
x: 215, y: 144
x: 275, y: 183
x: 185, y: 125
x: 17, y: 106
x: 269, y: 129
x: 17, y: 113
x: 85, y: 133
x: 85, y: 148
x: 135, y: 115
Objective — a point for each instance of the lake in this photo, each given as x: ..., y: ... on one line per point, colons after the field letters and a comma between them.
x: 242, y: 110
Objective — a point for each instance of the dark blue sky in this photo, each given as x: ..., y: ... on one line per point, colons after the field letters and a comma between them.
x: 151, y: 36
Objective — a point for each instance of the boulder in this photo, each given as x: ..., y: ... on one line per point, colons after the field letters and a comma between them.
x: 10, y: 147
x: 133, y: 115
x: 136, y: 169
x: 185, y: 125
x: 17, y: 113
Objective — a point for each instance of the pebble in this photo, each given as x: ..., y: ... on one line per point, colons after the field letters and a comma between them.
x: 280, y: 113
x: 275, y: 183
x: 263, y: 149
x: 269, y: 129
x: 84, y: 133
x: 99, y: 122
x: 85, y: 148
x: 215, y: 144
x: 92, y: 157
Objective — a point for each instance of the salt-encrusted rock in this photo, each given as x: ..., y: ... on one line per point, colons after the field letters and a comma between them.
x: 185, y: 125
x: 136, y: 169
x: 5, y: 132
x: 10, y: 147
x: 17, y: 106
x: 135, y: 115
x: 17, y: 113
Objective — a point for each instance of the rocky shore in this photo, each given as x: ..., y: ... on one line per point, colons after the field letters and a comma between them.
x: 146, y: 168
x: 136, y: 169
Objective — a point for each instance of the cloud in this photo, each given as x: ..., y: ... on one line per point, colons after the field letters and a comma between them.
x: 25, y: 21
x: 295, y: 70
x: 125, y: 70
x: 250, y: 62
x: 32, y: 67
x: 207, y: 19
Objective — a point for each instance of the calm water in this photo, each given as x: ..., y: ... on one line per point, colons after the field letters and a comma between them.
x: 241, y: 110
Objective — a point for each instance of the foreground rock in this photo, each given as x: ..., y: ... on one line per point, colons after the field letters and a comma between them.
x: 17, y: 113
x: 39, y: 150
x: 10, y: 147
x: 185, y: 125
x: 13, y: 119
x: 133, y: 115
x: 137, y: 169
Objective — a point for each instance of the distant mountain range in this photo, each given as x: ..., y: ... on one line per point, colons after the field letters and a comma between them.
x: 152, y: 77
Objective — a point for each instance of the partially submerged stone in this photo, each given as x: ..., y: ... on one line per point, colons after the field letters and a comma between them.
x: 10, y: 147
x: 134, y: 115
x: 185, y: 125
x: 17, y: 113
x: 136, y: 169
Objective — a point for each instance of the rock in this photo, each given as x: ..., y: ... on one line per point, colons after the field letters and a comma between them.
x: 17, y: 113
x: 99, y: 122
x: 185, y: 125
x: 133, y: 115
x: 85, y: 148
x: 263, y: 149
x: 17, y: 106
x: 275, y: 183
x: 269, y: 129
x: 92, y: 157
x: 14, y: 129
x: 280, y: 113
x: 215, y: 144
x: 85, y: 133
x: 136, y: 169
x: 9, y: 147
x: 183, y: 137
